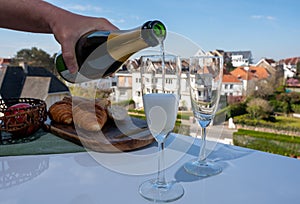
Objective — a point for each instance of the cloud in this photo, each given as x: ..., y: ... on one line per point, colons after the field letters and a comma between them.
x: 262, y: 17
x: 84, y: 8
x: 256, y: 17
x: 117, y: 20
x: 270, y: 18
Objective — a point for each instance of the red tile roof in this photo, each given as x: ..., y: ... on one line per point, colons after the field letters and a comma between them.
x: 253, y: 73
x: 5, y: 61
x: 228, y: 78
x: 291, y: 61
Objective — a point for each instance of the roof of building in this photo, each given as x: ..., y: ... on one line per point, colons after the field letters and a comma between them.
x: 36, y: 87
x: 270, y: 61
x: 228, y: 78
x: 4, y: 61
x: 291, y: 61
x: 266, y: 61
x: 15, y: 78
x: 253, y: 73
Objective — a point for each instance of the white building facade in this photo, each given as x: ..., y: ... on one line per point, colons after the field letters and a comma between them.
x: 184, y: 102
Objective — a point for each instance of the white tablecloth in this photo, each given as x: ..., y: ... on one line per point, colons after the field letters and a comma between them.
x: 92, y: 178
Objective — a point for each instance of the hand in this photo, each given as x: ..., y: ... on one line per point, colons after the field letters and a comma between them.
x: 42, y: 17
x: 70, y: 27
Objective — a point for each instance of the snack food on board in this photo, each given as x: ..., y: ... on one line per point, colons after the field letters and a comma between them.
x: 89, y: 114
x: 61, y: 112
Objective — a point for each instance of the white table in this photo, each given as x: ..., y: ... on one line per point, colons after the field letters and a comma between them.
x: 248, y: 177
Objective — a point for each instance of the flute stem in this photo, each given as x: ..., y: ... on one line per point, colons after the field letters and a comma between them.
x: 202, y: 153
x: 161, y: 180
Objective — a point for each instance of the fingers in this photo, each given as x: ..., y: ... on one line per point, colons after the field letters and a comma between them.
x: 69, y: 56
x: 104, y: 24
x: 70, y: 35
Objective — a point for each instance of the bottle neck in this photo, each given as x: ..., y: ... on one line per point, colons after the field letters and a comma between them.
x: 122, y: 44
x: 153, y: 32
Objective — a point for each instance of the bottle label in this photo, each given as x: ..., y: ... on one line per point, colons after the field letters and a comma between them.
x: 121, y: 51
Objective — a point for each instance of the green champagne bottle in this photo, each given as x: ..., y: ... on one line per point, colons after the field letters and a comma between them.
x: 101, y: 53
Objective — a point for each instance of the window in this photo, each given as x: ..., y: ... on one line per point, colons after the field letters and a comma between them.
x: 122, y: 93
x: 199, y: 93
x: 154, y: 80
x: 168, y: 81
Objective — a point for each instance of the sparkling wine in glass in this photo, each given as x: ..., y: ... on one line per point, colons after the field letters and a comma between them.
x: 205, y: 80
x: 160, y: 85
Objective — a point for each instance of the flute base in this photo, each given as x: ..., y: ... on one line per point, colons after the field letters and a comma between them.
x: 202, y: 168
x: 153, y: 191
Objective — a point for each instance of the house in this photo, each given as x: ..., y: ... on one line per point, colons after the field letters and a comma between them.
x: 266, y: 63
x: 290, y: 66
x: 235, y: 83
x: 239, y: 58
x: 231, y: 85
x: 124, y: 86
x: 292, y: 85
x: 249, y: 73
x: 4, y: 62
x: 129, y: 85
x: 249, y: 76
x: 275, y: 69
x: 31, y: 82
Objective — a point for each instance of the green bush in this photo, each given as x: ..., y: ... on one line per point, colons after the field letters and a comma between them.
x: 259, y: 108
x: 268, y: 142
x: 236, y: 110
x: 125, y: 103
x: 277, y: 123
x: 296, y: 108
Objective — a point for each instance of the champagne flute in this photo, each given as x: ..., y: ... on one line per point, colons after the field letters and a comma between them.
x: 160, y: 85
x: 205, y: 80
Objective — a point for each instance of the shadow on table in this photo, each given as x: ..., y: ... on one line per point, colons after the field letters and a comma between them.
x: 15, y: 171
x: 216, y: 151
x: 221, y: 154
x: 8, y: 139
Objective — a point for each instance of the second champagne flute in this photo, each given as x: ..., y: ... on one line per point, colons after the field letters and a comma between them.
x: 205, y: 80
x: 160, y: 85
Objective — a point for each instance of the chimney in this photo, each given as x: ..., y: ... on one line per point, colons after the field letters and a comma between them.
x: 246, y: 68
x: 24, y: 65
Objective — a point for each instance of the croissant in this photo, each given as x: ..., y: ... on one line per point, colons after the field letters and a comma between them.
x: 61, y: 112
x: 103, y: 102
x: 89, y: 116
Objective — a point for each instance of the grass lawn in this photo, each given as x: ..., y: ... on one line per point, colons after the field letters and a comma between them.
x: 288, y: 121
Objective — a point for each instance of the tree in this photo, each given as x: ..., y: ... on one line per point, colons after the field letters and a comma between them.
x: 298, y: 68
x: 35, y: 57
x: 228, y: 66
x: 264, y: 88
x: 285, y: 104
x: 259, y: 108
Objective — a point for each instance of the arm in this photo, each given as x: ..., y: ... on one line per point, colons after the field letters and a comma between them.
x: 41, y: 17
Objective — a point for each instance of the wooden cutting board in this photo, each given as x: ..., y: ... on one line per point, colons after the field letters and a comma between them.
x: 115, y: 136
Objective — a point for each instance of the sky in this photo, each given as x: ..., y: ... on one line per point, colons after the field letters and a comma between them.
x: 268, y: 28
